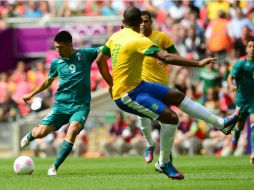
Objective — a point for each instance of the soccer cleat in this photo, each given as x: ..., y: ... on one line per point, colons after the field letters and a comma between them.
x: 24, y: 141
x: 52, y: 171
x: 229, y: 122
x: 169, y: 170
x: 149, y: 154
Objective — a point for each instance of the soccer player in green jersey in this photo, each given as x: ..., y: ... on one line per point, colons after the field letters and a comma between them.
x: 72, y: 99
x: 241, y: 80
x: 128, y: 48
x: 158, y: 73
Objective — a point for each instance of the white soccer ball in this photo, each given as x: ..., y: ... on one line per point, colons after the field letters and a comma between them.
x: 23, y: 165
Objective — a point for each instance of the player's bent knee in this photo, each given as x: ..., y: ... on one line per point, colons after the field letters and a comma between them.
x: 74, y: 130
x: 169, y: 117
x: 174, y: 120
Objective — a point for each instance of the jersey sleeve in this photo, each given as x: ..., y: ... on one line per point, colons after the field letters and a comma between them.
x: 235, y: 69
x: 53, y: 69
x: 145, y: 46
x: 90, y: 53
x: 171, y: 49
x: 106, y: 48
x: 167, y: 44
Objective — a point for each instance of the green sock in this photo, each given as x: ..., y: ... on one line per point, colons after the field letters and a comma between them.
x: 252, y: 138
x: 30, y: 136
x: 62, y: 153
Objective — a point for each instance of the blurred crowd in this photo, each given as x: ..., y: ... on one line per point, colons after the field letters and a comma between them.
x: 64, y: 8
x: 198, y: 29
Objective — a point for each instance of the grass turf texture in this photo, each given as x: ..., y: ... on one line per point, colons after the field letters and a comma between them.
x: 131, y: 173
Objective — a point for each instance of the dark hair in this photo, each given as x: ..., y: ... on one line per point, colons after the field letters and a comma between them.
x: 132, y: 16
x: 147, y: 14
x: 249, y: 39
x: 64, y: 37
x: 221, y: 14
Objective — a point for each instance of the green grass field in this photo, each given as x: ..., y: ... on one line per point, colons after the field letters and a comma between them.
x: 131, y: 173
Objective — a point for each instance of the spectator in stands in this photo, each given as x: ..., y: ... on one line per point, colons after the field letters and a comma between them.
x: 63, y: 9
x: 188, y: 138
x: 136, y: 141
x: 177, y: 10
x: 33, y: 10
x: 214, y: 6
x: 9, y: 110
x: 17, y: 9
x: 178, y: 37
x: 20, y: 72
x: 107, y: 9
x: 75, y: 7
x: 212, y: 100
x: 182, y: 80
x: 22, y: 88
x: 239, y: 43
x: 3, y: 85
x: 236, y: 24
x: 37, y: 74
x: 195, y: 45
x: 219, y: 31
x: 209, y: 77
x: 213, y: 143
x: 240, y: 26
x: 116, y: 143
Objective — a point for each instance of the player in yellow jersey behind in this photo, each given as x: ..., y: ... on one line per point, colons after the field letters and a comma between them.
x: 127, y: 49
x: 154, y: 72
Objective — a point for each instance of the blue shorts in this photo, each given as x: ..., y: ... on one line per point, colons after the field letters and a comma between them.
x: 146, y: 100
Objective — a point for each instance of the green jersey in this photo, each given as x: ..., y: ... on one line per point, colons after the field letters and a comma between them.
x: 210, y: 78
x: 74, y: 91
x: 243, y: 71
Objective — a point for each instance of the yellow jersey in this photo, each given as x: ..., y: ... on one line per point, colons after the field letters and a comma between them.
x: 127, y: 49
x: 152, y: 71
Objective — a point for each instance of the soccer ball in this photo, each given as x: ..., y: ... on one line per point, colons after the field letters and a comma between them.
x: 23, y: 165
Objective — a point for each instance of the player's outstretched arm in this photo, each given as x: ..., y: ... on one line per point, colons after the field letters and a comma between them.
x: 39, y: 89
x: 173, y: 59
x: 102, y: 63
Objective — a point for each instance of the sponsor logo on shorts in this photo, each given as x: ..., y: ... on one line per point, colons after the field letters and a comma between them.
x: 154, y: 106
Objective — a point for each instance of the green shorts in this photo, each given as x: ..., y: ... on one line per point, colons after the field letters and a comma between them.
x: 57, y: 119
x: 246, y: 111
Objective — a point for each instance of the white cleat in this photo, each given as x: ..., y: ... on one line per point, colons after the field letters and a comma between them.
x: 24, y: 141
x: 52, y: 171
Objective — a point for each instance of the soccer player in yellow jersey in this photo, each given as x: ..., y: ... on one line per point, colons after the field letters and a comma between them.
x: 154, y: 72
x: 127, y: 48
